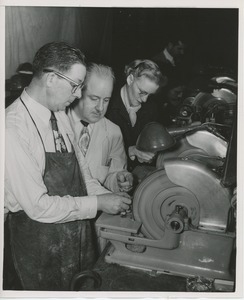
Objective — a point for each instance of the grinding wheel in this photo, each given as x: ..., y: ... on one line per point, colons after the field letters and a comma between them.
x: 156, y: 198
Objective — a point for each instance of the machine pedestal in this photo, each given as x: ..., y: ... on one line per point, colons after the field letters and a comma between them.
x: 192, y: 253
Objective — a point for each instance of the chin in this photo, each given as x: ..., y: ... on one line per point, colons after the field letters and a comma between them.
x: 95, y: 120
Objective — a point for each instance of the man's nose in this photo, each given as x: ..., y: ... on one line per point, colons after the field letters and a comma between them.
x: 78, y: 93
x: 144, y: 98
x: 100, y: 105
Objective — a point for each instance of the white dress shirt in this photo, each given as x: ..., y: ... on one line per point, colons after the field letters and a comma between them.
x: 25, y: 166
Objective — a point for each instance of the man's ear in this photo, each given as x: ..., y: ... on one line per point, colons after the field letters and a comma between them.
x: 50, y: 79
x: 130, y: 79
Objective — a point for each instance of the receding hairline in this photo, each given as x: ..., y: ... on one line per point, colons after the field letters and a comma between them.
x: 99, y: 70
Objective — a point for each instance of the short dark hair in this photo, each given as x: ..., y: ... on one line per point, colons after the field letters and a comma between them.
x: 147, y: 68
x: 58, y: 55
x: 175, y: 38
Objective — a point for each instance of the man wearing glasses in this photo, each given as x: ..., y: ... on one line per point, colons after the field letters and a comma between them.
x: 49, y: 193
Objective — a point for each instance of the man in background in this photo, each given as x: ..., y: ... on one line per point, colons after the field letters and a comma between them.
x: 171, y: 59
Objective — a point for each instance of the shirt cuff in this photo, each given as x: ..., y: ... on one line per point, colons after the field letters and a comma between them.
x: 88, y: 207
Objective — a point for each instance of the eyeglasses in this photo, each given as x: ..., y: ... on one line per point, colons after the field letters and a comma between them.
x: 75, y: 86
x: 141, y: 93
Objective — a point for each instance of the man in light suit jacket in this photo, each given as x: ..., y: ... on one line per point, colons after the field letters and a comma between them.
x: 105, y: 154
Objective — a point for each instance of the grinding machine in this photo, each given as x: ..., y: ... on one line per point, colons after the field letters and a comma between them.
x: 182, y: 220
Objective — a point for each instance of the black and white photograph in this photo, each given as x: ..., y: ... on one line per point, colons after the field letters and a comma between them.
x: 121, y: 149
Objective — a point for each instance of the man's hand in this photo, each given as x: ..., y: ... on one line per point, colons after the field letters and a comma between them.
x: 146, y: 157
x: 125, y: 181
x: 113, y: 203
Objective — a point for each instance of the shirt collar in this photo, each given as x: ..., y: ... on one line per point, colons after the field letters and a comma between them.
x: 169, y: 57
x: 43, y: 113
x: 126, y: 101
x: 74, y: 116
x: 76, y: 120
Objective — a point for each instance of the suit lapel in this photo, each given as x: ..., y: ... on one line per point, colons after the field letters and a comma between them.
x: 97, y: 137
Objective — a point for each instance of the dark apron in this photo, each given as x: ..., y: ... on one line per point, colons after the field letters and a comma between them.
x: 46, y: 256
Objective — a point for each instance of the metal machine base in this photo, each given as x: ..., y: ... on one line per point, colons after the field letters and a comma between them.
x: 199, y: 253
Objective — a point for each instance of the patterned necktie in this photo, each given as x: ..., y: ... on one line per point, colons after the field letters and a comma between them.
x: 84, y: 138
x: 58, y: 138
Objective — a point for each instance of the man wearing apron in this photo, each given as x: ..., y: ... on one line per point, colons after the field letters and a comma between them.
x: 49, y: 192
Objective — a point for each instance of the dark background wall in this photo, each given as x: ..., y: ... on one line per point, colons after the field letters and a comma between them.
x: 211, y: 34
x: 118, y: 35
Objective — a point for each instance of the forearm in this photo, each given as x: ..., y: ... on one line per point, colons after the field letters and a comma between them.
x: 55, y: 209
x: 39, y: 206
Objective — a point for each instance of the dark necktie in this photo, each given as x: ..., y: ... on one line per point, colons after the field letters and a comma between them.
x: 84, y: 138
x: 58, y: 138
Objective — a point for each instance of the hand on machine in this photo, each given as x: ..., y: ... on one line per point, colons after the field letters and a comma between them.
x: 125, y: 181
x: 142, y: 156
x: 113, y: 203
